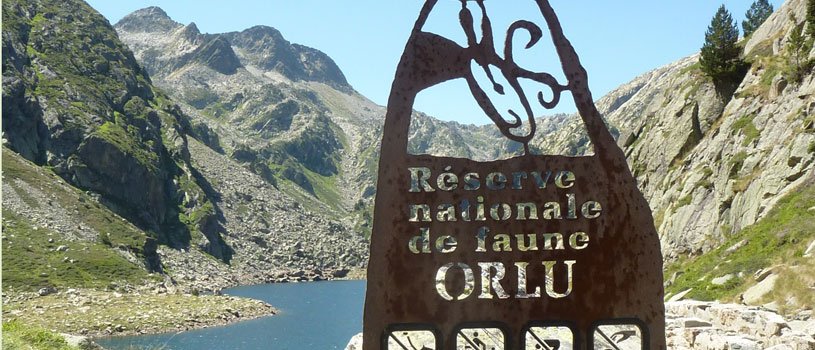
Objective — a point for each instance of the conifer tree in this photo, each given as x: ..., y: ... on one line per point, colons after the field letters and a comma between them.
x: 798, y: 48
x: 796, y: 43
x: 720, y: 55
x: 756, y: 15
x: 810, y: 18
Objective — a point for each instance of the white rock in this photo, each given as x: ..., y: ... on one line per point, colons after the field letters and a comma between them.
x: 355, y: 343
x: 807, y: 327
x: 772, y: 306
x: 741, y: 343
x: 80, y: 342
x: 755, y: 293
x: 723, y: 279
x: 781, y: 347
x: 680, y: 295
x: 811, y: 249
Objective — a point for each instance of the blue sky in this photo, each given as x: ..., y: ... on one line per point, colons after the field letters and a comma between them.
x: 616, y: 40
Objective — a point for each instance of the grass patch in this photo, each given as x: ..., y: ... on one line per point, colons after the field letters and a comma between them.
x: 705, y: 182
x: 773, y: 67
x: 694, y: 67
x: 91, y: 213
x: 325, y: 187
x: 736, y: 163
x: 746, y: 126
x: 742, y: 184
x: 794, y: 282
x: 19, y: 336
x: 778, y: 239
x: 29, y: 256
x: 659, y: 217
x: 126, y: 142
x: 681, y: 203
x: 36, y: 257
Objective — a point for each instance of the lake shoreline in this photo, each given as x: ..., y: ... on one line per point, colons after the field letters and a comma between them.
x: 303, y: 306
x: 94, y: 314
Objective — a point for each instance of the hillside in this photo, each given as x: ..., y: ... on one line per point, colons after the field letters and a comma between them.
x: 712, y: 167
x: 285, y: 111
x: 96, y: 157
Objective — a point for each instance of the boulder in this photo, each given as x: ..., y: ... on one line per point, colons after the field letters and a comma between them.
x: 47, y: 291
x: 355, y: 343
x: 755, y: 293
x: 83, y: 343
x: 723, y: 279
x: 680, y: 295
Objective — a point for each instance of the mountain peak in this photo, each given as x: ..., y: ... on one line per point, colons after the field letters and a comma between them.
x: 218, y: 55
x: 151, y: 19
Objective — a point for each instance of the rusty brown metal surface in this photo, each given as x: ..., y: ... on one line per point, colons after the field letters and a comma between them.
x: 606, y: 269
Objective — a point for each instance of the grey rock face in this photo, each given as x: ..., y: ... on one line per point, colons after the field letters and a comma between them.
x: 152, y: 19
x: 75, y: 99
x: 710, y: 168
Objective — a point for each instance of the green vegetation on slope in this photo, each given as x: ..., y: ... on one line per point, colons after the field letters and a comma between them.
x: 98, y: 217
x: 779, y: 239
x: 109, y: 131
x: 17, y: 336
x: 36, y: 257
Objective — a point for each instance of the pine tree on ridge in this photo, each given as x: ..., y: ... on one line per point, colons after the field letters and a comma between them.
x: 756, y: 15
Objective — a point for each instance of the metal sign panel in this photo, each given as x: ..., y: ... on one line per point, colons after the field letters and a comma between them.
x: 534, y: 252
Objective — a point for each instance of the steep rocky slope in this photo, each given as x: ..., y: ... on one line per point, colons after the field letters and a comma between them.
x: 713, y: 167
x: 97, y: 158
x: 283, y: 110
x: 76, y: 100
x: 708, y: 165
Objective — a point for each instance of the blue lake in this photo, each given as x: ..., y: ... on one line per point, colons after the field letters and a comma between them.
x: 313, y: 315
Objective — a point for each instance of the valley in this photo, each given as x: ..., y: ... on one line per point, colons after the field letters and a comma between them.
x: 146, y: 158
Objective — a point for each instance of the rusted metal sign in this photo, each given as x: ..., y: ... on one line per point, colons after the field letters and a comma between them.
x: 534, y: 252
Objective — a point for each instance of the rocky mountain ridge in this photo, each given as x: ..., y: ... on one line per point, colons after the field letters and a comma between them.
x: 260, y: 46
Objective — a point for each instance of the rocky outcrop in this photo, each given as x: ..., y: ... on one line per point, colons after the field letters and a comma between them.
x: 266, y: 48
x: 76, y: 100
x: 711, y: 165
x: 275, y: 238
x: 216, y: 54
x: 706, y: 325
